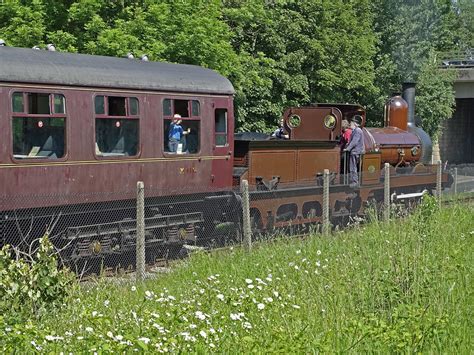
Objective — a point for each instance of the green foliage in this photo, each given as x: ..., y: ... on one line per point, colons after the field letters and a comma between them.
x: 407, y: 329
x: 410, y: 33
x: 387, y: 287
x: 31, y: 288
x: 276, y: 53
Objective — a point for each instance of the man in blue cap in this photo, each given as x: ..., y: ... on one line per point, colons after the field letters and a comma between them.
x: 355, y: 149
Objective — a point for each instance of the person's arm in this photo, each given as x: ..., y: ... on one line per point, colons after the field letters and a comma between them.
x: 355, y: 138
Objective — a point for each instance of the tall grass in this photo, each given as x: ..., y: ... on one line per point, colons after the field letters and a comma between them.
x: 403, y: 286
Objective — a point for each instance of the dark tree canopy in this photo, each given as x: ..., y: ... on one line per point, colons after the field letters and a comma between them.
x: 277, y: 53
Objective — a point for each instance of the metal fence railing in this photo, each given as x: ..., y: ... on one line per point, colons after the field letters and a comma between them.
x: 145, y: 229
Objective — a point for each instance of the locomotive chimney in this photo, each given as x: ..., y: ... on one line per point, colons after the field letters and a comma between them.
x: 409, y: 96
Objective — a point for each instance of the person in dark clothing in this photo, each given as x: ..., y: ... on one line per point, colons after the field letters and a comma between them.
x: 355, y: 149
x: 280, y: 132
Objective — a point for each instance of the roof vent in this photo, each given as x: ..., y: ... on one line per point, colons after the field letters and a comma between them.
x: 144, y: 57
x: 36, y: 48
x: 129, y: 55
x: 2, y: 43
x: 50, y: 47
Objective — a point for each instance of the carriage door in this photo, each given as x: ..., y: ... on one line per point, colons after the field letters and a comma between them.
x: 222, y: 163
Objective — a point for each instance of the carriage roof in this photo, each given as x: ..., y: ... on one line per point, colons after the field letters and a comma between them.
x: 45, y: 67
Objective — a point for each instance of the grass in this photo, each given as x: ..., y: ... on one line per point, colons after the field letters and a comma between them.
x: 400, y: 287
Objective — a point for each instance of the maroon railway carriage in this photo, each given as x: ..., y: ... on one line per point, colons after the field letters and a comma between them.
x: 79, y: 129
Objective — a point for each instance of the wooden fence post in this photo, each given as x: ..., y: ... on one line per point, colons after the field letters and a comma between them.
x: 386, y: 193
x: 140, y: 242
x: 439, y: 172
x: 455, y: 181
x: 326, y: 224
x: 247, y: 239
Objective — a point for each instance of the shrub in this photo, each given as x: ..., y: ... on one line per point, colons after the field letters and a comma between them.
x: 29, y: 288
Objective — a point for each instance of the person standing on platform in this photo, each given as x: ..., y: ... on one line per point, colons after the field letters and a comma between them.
x: 355, y: 149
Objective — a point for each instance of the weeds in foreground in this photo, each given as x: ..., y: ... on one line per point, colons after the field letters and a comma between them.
x: 401, y: 287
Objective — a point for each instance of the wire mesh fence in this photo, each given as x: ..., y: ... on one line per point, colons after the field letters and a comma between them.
x: 144, y: 229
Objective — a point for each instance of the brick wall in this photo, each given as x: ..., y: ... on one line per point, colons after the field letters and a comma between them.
x: 456, y: 143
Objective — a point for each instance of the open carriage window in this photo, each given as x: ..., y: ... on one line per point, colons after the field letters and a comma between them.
x: 38, y: 125
x: 116, y: 126
x: 181, y: 126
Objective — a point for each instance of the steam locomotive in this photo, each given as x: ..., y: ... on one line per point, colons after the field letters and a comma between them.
x: 76, y: 130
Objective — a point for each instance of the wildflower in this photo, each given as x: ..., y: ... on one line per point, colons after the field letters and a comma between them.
x: 247, y: 325
x: 318, y: 252
x: 134, y: 288
x: 193, y: 326
x: 297, y: 267
x: 201, y: 291
x: 249, y: 281
x: 148, y: 294
x: 298, y: 251
x: 89, y: 329
x: 53, y: 338
x: 119, y: 337
x: 220, y: 296
x: 275, y: 293
x: 199, y: 315
x: 250, y: 286
x: 94, y: 313
x: 260, y: 306
x: 212, y: 331
x: 106, y: 303
x: 203, y: 334
x: 145, y: 340
x: 110, y: 334
x: 296, y: 306
x: 236, y: 316
x: 211, y: 345
x: 269, y: 300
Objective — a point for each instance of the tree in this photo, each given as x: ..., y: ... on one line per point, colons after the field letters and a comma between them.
x: 410, y: 34
x: 295, y: 53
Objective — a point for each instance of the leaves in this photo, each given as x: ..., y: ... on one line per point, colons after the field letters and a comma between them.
x: 276, y: 53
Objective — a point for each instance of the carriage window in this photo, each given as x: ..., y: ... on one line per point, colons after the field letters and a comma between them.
x: 133, y: 106
x: 17, y: 102
x: 59, y: 104
x: 99, y: 105
x: 38, y: 137
x: 38, y: 103
x: 221, y: 127
x: 116, y: 137
x: 195, y: 108
x: 116, y: 106
x: 166, y: 107
x: 38, y: 132
x: 181, y: 136
x: 181, y: 107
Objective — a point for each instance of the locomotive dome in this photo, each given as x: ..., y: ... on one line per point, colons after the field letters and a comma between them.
x: 49, y: 67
